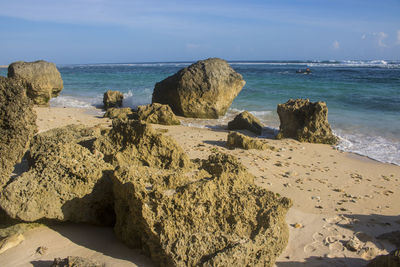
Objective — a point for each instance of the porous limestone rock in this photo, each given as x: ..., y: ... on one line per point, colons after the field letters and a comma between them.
x: 246, y: 121
x: 239, y: 140
x: 43, y: 79
x: 17, y: 125
x: 214, y: 217
x: 205, y: 89
x: 66, y: 182
x: 119, y: 113
x: 305, y: 121
x: 75, y: 261
x: 158, y: 114
x: 137, y: 143
x: 112, y: 99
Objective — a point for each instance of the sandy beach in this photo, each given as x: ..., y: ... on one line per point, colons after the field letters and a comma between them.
x: 337, y: 197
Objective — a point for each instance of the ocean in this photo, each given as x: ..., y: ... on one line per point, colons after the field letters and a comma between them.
x: 363, y: 97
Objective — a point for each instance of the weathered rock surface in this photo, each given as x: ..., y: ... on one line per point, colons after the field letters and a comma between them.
x: 390, y: 260
x: 205, y: 89
x: 213, y: 217
x: 112, y: 99
x: 158, y: 114
x: 119, y: 113
x: 137, y: 143
x: 66, y: 182
x: 239, y: 140
x: 305, y: 121
x: 75, y: 261
x: 17, y: 125
x: 43, y: 79
x: 246, y: 121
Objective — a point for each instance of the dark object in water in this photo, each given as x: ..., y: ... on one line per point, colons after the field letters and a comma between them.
x: 306, y: 71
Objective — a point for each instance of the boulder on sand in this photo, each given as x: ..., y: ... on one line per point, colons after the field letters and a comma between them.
x: 43, y: 79
x: 119, y: 113
x: 239, y: 140
x: 213, y: 217
x: 112, y: 99
x: 158, y: 114
x: 205, y: 89
x: 305, y: 121
x: 66, y: 182
x: 17, y: 125
x: 246, y: 121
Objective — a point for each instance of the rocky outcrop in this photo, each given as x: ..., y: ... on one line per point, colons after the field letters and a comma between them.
x: 239, y: 140
x: 75, y: 261
x: 246, y: 121
x: 119, y: 113
x: 43, y: 80
x: 17, y: 125
x: 158, y: 114
x: 137, y: 143
x: 66, y: 182
x: 205, y: 89
x: 215, y: 216
x: 112, y: 99
x: 305, y: 121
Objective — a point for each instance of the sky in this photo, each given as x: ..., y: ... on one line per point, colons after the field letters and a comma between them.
x: 121, y: 31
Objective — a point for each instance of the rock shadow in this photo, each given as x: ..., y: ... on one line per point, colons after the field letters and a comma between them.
x: 102, y: 240
x: 325, y: 262
x: 42, y: 263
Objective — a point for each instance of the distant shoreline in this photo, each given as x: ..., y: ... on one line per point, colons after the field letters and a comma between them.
x: 4, y: 66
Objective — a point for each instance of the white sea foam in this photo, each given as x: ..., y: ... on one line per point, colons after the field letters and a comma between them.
x: 374, y: 147
x: 133, y: 100
x: 76, y: 102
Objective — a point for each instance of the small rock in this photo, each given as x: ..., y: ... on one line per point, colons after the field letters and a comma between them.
x: 42, y: 250
x: 354, y: 244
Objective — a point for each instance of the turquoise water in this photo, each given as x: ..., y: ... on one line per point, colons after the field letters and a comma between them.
x: 363, y: 97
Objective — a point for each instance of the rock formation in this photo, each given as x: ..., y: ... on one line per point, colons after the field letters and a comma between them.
x: 158, y: 114
x: 205, y: 89
x: 305, y: 121
x: 246, y: 121
x: 239, y: 140
x: 66, y: 182
x: 112, y: 99
x: 119, y: 113
x: 43, y: 79
x: 211, y: 217
x: 17, y: 125
x: 137, y: 143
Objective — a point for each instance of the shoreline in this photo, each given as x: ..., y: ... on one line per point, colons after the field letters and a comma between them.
x: 337, y: 195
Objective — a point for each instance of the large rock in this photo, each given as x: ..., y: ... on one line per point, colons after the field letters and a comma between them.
x: 205, y: 89
x: 43, y: 79
x: 305, y: 121
x: 246, y: 121
x: 158, y: 114
x: 390, y: 260
x: 17, y: 125
x: 66, y: 182
x: 239, y: 140
x: 136, y: 143
x: 212, y: 217
x: 112, y: 99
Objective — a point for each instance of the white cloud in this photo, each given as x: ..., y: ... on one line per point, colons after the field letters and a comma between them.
x: 381, y: 36
x: 364, y: 36
x: 336, y: 45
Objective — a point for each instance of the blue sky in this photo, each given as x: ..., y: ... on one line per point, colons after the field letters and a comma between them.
x: 110, y: 31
